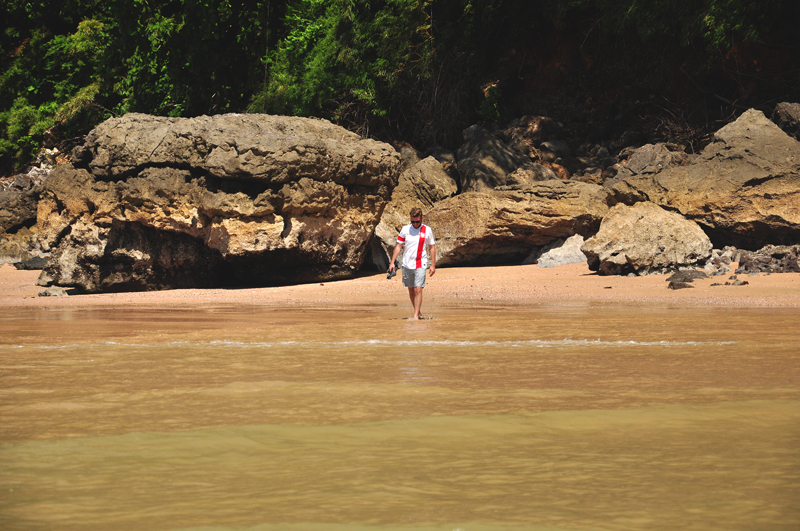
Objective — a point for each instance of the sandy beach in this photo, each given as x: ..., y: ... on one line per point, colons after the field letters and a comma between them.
x: 450, y: 286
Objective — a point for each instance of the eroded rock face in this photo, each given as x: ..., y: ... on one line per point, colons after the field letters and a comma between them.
x: 743, y: 190
x: 157, y: 203
x: 645, y: 238
x: 504, y: 226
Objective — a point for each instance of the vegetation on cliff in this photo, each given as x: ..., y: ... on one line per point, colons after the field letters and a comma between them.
x: 413, y: 70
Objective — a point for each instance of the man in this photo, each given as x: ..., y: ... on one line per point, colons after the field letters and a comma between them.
x: 414, y: 238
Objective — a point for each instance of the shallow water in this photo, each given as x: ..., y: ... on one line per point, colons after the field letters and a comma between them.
x: 551, y: 417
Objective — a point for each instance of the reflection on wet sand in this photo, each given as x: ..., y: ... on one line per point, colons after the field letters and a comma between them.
x: 559, y: 416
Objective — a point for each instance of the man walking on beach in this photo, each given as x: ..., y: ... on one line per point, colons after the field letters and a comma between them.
x: 414, y: 238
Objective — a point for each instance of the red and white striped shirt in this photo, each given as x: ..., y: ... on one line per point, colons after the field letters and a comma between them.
x: 415, y: 241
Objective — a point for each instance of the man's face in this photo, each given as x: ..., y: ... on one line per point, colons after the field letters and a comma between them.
x: 416, y: 221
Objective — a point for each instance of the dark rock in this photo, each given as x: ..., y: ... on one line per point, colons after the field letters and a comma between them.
x: 35, y: 263
x: 679, y: 285
x: 17, y: 209
x: 787, y: 117
x: 687, y: 275
x: 771, y: 259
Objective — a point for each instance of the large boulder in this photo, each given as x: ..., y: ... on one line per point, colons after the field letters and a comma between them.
x: 504, y: 226
x: 422, y: 185
x: 743, y: 189
x: 645, y: 238
x: 157, y: 203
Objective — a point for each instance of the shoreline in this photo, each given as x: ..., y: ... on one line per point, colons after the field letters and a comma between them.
x: 513, y: 285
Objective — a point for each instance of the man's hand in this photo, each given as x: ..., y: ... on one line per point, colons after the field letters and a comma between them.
x: 433, y: 269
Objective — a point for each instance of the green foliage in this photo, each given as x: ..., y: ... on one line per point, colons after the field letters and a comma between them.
x: 46, y: 85
x: 343, y: 58
x: 79, y: 62
x: 409, y: 69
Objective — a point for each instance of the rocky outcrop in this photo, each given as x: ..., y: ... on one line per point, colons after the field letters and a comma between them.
x: 157, y: 203
x: 645, y: 238
x: 743, y: 189
x: 503, y: 226
x: 422, y: 185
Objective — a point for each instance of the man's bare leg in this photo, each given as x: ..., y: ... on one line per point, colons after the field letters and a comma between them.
x: 415, y: 294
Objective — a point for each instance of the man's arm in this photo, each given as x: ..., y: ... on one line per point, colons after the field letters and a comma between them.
x: 433, y: 259
x: 394, y: 256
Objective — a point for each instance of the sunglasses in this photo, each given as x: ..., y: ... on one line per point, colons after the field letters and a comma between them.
x: 415, y: 221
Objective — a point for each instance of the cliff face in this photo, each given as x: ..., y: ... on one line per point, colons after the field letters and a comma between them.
x: 159, y: 203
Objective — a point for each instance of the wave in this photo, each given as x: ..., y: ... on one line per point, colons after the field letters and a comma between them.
x: 427, y: 343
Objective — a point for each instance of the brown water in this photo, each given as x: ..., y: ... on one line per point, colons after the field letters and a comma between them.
x: 551, y: 417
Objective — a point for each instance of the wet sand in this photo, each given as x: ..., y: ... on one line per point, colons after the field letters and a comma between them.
x: 449, y: 286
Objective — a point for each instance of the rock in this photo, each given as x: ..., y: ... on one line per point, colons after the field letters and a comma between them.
x: 484, y: 161
x: 652, y: 158
x: 531, y: 131
x: 787, y: 117
x: 54, y: 292
x: 679, y: 285
x: 687, y: 275
x: 422, y: 185
x: 524, y: 178
x: 771, y: 259
x: 504, y: 226
x: 559, y: 252
x: 34, y: 263
x: 17, y: 209
x: 159, y: 203
x: 743, y: 190
x: 409, y: 156
x: 20, y: 245
x: 645, y: 238
x: 719, y: 262
x: 556, y: 149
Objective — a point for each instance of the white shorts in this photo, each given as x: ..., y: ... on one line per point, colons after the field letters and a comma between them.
x: 414, y: 278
